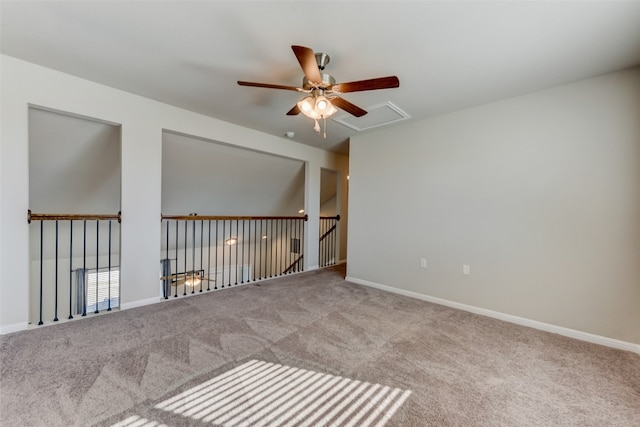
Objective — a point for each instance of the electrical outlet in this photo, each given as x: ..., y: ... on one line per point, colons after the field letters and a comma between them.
x: 466, y: 269
x: 423, y: 263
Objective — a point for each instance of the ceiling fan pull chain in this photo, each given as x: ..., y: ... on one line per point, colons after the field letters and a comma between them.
x: 316, y: 126
x: 324, y: 134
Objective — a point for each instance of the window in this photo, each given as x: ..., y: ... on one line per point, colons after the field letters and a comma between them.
x: 295, y: 245
x: 103, y: 289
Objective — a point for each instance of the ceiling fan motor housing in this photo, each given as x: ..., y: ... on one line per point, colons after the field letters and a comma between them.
x: 327, y: 82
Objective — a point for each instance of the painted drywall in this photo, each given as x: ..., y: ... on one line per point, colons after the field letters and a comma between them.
x: 539, y: 195
x: 74, y: 164
x: 142, y: 122
x: 209, y: 178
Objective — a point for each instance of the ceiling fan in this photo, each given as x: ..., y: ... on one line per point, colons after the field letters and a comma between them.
x: 323, y: 91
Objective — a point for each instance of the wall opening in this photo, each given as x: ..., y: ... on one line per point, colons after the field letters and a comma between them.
x: 329, y: 244
x: 74, y: 172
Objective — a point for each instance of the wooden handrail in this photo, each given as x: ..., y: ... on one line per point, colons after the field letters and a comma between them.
x: 337, y: 217
x: 73, y: 217
x: 220, y: 218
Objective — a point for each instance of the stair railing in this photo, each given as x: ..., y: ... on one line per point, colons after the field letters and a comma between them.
x: 327, y: 251
x: 206, y: 252
x: 73, y: 276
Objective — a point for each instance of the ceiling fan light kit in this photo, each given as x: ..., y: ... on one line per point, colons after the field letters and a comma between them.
x: 323, y: 98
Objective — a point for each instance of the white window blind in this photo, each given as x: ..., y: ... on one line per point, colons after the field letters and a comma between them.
x: 103, y: 287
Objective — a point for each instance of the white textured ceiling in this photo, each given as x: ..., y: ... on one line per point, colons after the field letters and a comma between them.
x: 447, y: 55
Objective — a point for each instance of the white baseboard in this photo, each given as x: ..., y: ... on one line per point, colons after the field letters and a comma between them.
x: 16, y: 327
x: 560, y: 330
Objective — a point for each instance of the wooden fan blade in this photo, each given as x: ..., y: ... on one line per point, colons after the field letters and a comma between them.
x: 267, y: 85
x: 348, y: 107
x: 370, y: 84
x: 294, y: 111
x: 307, y: 59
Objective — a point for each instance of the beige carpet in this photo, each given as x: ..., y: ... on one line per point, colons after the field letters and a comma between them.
x: 306, y: 350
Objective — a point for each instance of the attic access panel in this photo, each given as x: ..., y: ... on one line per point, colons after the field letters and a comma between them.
x: 379, y: 115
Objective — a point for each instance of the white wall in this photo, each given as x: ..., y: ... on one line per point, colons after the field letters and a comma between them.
x: 539, y: 194
x: 215, y: 179
x: 74, y: 164
x: 142, y: 122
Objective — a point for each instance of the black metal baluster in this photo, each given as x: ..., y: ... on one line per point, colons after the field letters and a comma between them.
x: 263, y: 248
x: 224, y: 243
x: 215, y: 284
x: 332, y: 257
x: 324, y: 244
x: 201, y: 252
x: 208, y: 276
x: 230, y: 249
x: 109, y: 262
x: 281, y: 255
x: 242, y: 252
x: 267, y: 242
x: 186, y: 244
x: 97, y: 264
x: 84, y: 264
x: 237, y: 244
x: 41, y: 266
x: 230, y: 257
x: 299, y: 232
x: 321, y: 244
x: 294, y: 234
x: 287, y: 245
x: 271, y: 266
x: 176, y: 253
x: 334, y: 235
x: 166, y: 256
x: 261, y: 264
x: 267, y: 249
x: 299, y: 246
x: 255, y: 234
x: 286, y: 255
x: 278, y: 241
x: 55, y: 315
x: 265, y: 257
x: 334, y: 241
x: 329, y: 241
x: 70, y: 269
x: 193, y: 257
x: 296, y: 254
